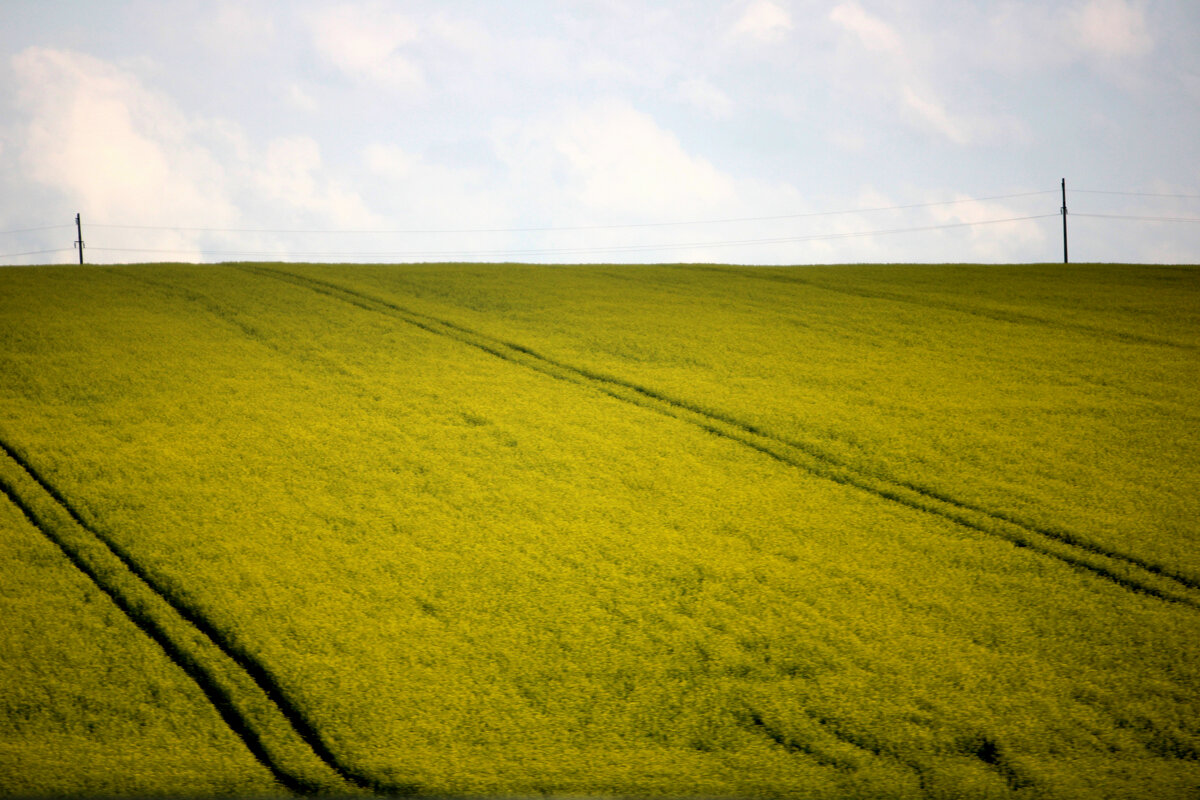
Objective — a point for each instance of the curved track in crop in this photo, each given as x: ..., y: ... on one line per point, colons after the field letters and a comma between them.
x: 1123, y: 569
x: 244, y: 691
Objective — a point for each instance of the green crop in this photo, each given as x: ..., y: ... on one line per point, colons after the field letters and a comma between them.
x: 678, y: 530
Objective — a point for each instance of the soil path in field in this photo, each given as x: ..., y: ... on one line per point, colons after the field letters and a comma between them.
x: 1122, y: 569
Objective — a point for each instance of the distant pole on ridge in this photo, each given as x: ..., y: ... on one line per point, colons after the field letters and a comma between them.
x: 79, y: 241
x: 1063, y: 221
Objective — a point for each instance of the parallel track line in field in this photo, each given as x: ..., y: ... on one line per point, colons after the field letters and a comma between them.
x: 214, y: 689
x: 217, y: 693
x: 1127, y: 571
x: 248, y: 697
x: 998, y: 314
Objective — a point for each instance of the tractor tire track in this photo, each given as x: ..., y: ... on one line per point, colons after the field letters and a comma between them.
x: 217, y: 690
x: 984, y: 750
x: 1000, y: 315
x: 248, y: 696
x: 1127, y: 571
x: 225, y: 314
x: 214, y: 308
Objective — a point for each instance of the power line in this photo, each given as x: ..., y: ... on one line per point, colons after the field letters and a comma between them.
x: 1134, y: 217
x: 547, y: 228
x: 419, y: 253
x: 1138, y: 194
x: 35, y: 253
x: 574, y: 250
x: 31, y: 230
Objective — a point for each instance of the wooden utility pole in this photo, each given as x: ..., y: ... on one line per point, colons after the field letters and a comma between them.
x: 79, y: 241
x: 1064, y: 216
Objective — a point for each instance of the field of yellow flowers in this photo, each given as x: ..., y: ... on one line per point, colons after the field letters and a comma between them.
x: 690, y: 530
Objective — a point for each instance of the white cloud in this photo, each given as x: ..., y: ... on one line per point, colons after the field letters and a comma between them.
x: 287, y: 170
x: 610, y: 158
x: 994, y: 241
x: 123, y: 154
x: 1021, y: 38
x: 850, y: 141
x: 609, y: 163
x: 803, y: 81
x: 701, y: 94
x: 291, y: 171
x: 1024, y: 240
x: 389, y: 160
x: 461, y: 33
x: 1110, y: 28
x: 903, y: 76
x: 238, y: 25
x: 765, y: 21
x: 300, y: 98
x: 365, y: 41
x: 430, y: 195
x: 119, y: 152
x: 606, y: 70
x: 874, y: 34
x: 933, y: 115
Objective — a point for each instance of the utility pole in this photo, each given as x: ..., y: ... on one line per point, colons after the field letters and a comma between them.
x: 1063, y: 221
x: 79, y: 241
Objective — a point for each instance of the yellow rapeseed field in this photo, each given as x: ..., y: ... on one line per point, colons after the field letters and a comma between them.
x: 693, y: 530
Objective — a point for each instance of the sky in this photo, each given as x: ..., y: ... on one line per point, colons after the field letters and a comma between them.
x: 734, y: 131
